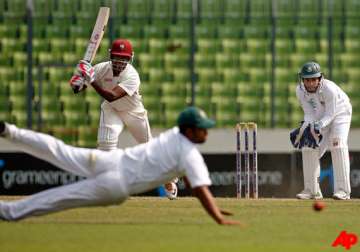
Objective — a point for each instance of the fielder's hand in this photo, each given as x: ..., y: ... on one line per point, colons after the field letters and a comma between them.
x: 86, y: 70
x: 77, y: 83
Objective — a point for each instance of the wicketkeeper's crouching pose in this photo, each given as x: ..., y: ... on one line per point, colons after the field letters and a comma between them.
x: 327, y: 118
x: 114, y: 175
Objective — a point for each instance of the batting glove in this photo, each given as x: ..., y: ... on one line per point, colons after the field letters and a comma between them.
x: 86, y: 70
x: 77, y: 83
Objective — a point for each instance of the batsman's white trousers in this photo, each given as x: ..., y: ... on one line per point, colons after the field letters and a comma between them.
x: 112, y: 122
x: 104, y: 183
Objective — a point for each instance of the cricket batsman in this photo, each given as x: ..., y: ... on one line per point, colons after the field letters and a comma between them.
x: 117, y: 82
x: 326, y: 125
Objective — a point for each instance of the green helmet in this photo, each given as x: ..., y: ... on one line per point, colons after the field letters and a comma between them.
x: 310, y: 70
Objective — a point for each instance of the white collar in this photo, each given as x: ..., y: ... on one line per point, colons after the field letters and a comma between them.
x: 318, y: 90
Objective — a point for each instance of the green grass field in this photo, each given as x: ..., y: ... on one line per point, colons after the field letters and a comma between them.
x: 157, y: 224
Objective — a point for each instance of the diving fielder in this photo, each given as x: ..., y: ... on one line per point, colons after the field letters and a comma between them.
x: 111, y: 176
x: 118, y: 82
x: 327, y: 116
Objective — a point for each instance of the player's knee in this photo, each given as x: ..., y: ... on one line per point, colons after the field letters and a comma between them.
x: 143, y: 137
x: 337, y: 143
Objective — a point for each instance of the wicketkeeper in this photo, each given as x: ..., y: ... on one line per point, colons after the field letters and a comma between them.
x: 326, y: 125
x: 118, y: 82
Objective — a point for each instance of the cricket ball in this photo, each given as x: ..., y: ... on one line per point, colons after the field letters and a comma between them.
x: 318, y: 205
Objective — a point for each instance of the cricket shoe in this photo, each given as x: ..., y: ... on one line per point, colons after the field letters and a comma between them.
x: 341, y: 195
x: 2, y: 214
x: 306, y: 194
x: 4, y: 129
x: 171, y: 189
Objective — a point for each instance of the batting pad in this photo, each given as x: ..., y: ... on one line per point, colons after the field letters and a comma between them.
x: 341, y: 166
x: 107, y: 138
x: 110, y: 127
x: 311, y: 170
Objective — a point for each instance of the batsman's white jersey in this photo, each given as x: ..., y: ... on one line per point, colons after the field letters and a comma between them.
x: 127, y: 110
x: 111, y: 176
x: 331, y: 106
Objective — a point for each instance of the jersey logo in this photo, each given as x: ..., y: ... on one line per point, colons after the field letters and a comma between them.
x: 312, y: 103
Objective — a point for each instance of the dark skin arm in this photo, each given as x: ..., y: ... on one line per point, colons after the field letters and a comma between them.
x: 187, y: 185
x: 109, y: 94
x: 208, y: 202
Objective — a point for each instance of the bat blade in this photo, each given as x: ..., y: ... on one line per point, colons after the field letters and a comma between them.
x: 97, y: 34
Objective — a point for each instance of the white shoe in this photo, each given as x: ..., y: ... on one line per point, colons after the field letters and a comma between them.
x: 306, y: 194
x: 341, y: 195
x: 171, y: 190
x: 3, y: 130
x: 2, y: 217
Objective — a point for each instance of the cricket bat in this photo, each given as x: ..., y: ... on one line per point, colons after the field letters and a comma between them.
x: 95, y: 39
x: 97, y: 34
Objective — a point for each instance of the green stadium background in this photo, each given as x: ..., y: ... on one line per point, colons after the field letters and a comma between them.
x: 237, y: 59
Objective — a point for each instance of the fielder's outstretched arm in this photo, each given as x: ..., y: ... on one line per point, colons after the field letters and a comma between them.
x: 208, y: 202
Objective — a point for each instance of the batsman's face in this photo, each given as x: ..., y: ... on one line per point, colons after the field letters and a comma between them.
x: 119, y: 63
x: 198, y: 135
x: 311, y: 84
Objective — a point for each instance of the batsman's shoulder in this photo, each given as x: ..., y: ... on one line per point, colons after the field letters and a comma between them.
x: 132, y: 69
x: 102, y: 66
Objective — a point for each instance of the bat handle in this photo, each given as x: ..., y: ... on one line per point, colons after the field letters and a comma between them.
x: 76, y: 90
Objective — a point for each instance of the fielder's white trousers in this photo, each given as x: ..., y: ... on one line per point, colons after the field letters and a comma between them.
x: 104, y: 184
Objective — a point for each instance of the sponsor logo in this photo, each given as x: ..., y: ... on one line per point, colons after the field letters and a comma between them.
x: 11, y: 179
x: 312, y: 103
x: 355, y: 177
x: 266, y: 178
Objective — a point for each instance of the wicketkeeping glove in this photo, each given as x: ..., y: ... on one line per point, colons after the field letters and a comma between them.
x: 86, y: 70
x: 296, y: 136
x: 317, y: 126
x: 312, y: 137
